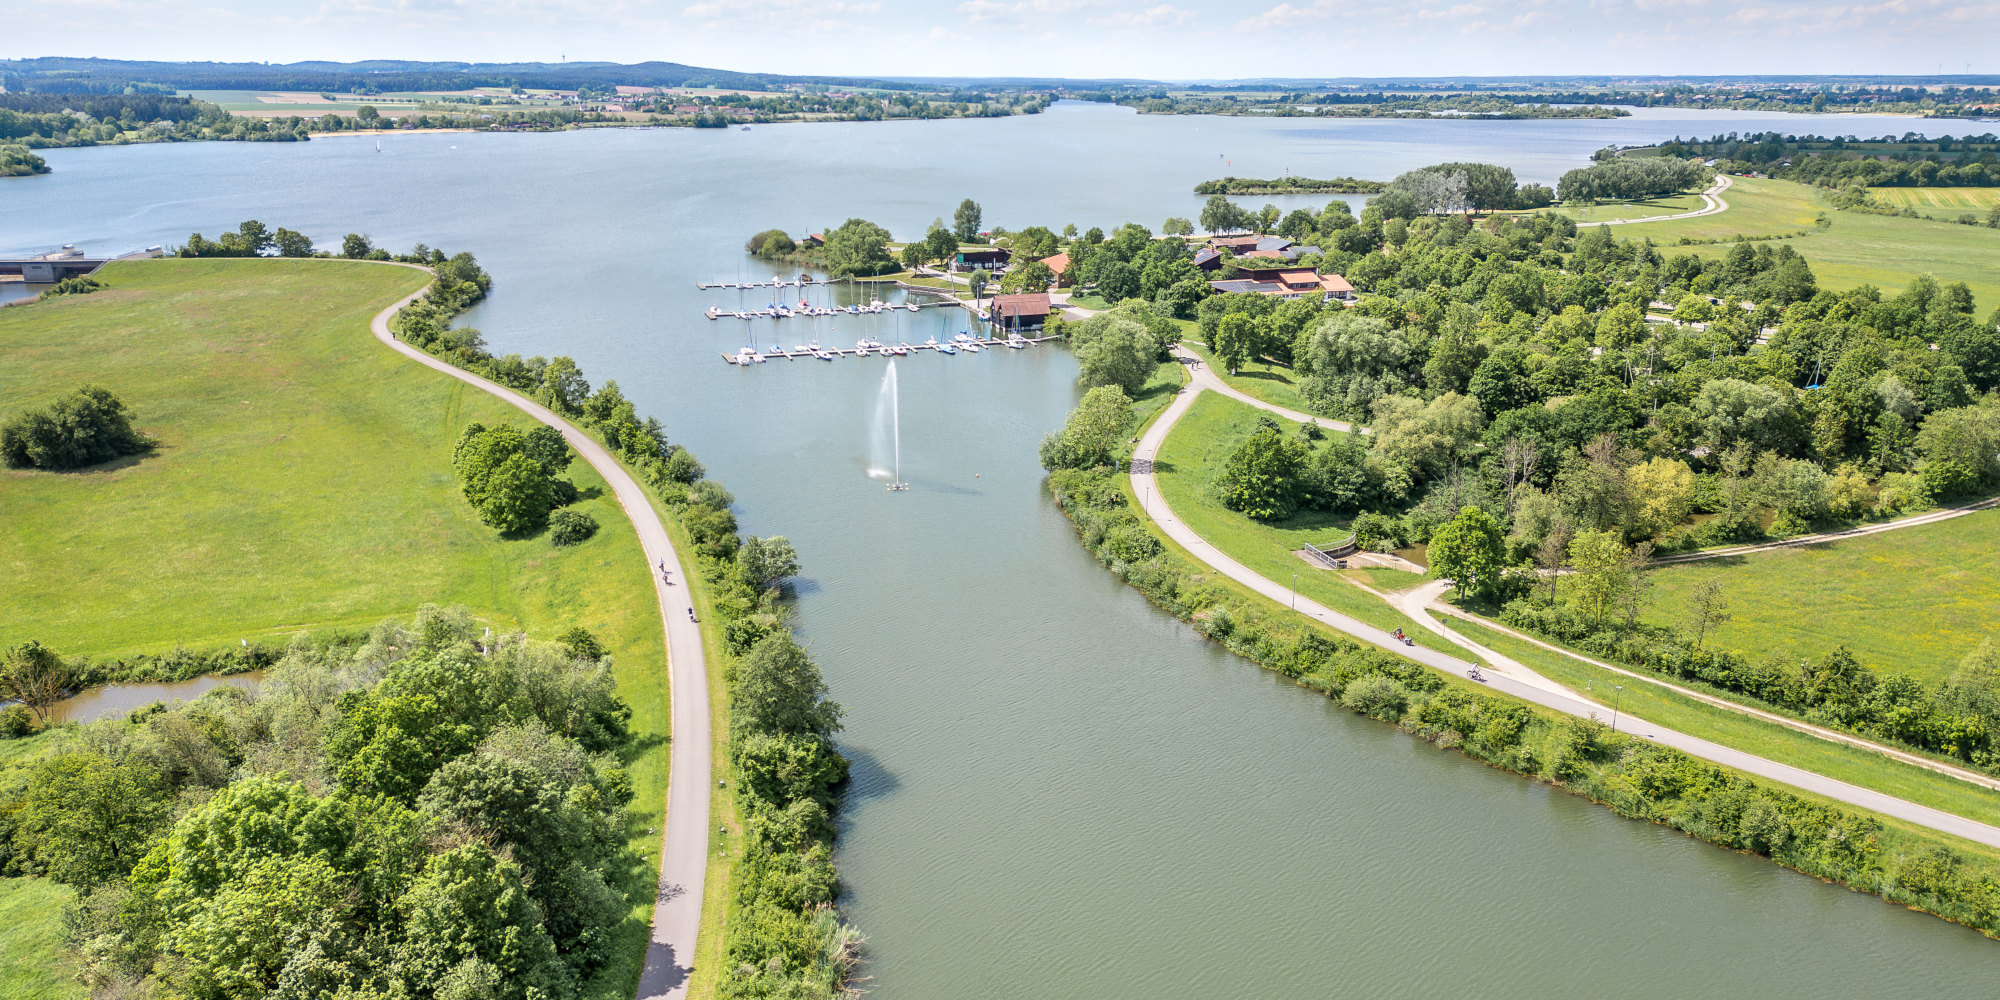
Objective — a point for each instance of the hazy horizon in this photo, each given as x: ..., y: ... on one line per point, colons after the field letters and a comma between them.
x: 1153, y: 39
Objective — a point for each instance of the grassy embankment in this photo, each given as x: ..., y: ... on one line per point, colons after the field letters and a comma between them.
x: 303, y: 481
x: 1193, y: 457
x: 1858, y: 249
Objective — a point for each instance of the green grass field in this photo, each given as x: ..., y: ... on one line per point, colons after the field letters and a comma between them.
x: 1188, y: 464
x: 1272, y: 383
x: 1609, y: 211
x: 31, y: 941
x: 1946, y: 203
x: 303, y: 481
x: 1859, y: 249
x: 1915, y: 600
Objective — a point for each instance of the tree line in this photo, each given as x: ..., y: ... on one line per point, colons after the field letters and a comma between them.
x: 1631, y: 178
x: 1886, y: 161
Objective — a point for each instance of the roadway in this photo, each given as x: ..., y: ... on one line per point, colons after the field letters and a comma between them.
x: 684, y: 843
x: 1515, y: 681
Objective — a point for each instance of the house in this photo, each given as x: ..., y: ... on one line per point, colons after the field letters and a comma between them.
x: 1295, y: 252
x: 1208, y: 258
x: 1275, y: 244
x: 1236, y: 244
x: 1264, y: 254
x: 1028, y: 310
x: 813, y: 240
x: 1336, y: 287
x: 1288, y: 283
x: 971, y: 260
x: 1059, y: 265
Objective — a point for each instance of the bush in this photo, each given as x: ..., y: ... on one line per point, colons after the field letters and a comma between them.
x: 569, y: 527
x: 86, y: 427
x: 16, y: 721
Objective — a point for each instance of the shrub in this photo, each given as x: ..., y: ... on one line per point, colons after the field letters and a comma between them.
x: 15, y: 722
x: 569, y: 527
x: 1377, y: 697
x: 83, y: 428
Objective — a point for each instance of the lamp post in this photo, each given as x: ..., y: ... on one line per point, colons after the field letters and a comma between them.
x: 1615, y: 702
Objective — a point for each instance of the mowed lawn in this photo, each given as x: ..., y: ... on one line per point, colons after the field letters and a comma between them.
x: 303, y: 481
x: 31, y: 941
x: 1859, y: 249
x: 1672, y: 204
x: 1187, y: 467
x: 1915, y: 600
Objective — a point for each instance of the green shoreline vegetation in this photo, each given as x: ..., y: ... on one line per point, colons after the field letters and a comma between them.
x: 1291, y: 185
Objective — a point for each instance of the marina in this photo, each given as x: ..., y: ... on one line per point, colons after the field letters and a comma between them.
x: 806, y: 310
x: 962, y: 343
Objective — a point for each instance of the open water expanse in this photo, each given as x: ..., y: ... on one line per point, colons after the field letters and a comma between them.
x: 1059, y: 790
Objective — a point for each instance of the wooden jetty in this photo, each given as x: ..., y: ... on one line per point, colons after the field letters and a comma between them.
x: 985, y: 343
x: 816, y: 312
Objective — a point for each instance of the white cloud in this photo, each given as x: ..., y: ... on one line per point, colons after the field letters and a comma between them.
x: 1165, y: 15
x: 1019, y: 10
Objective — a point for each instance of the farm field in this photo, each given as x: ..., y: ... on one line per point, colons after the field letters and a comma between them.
x: 1945, y: 203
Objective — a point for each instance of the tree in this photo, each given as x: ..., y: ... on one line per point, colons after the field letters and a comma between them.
x: 1968, y: 437
x: 518, y: 496
x: 1113, y: 350
x: 1603, y: 573
x: 779, y: 691
x: 1220, y: 215
x: 965, y: 221
x: 1177, y: 226
x: 1117, y: 281
x: 1707, y: 609
x: 87, y: 817
x: 857, y: 247
x: 978, y: 280
x: 1264, y: 476
x: 291, y: 243
x: 355, y: 246
x: 35, y: 676
x: 770, y: 243
x: 1470, y: 552
x: 1553, y: 552
x: 940, y: 244
x: 1662, y: 492
x: 767, y: 563
x: 86, y: 427
x: 1034, y: 276
x: 1429, y: 438
x: 1091, y: 433
x: 1235, y: 340
x: 564, y: 389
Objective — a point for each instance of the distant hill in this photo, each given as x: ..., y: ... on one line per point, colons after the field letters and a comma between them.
x: 101, y: 76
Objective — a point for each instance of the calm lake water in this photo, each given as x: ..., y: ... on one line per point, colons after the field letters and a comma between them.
x: 1060, y: 791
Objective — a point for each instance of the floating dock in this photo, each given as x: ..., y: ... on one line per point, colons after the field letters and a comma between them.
x: 799, y: 282
x: 815, y: 312
x: 985, y: 343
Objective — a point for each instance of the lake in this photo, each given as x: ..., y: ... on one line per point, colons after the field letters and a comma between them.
x: 1060, y: 791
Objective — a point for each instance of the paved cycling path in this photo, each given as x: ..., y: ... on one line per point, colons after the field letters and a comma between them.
x: 684, y: 849
x: 1711, y: 204
x: 1523, y: 684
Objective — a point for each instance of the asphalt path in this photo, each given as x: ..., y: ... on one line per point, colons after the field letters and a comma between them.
x: 1528, y: 687
x: 1711, y: 199
x: 684, y: 846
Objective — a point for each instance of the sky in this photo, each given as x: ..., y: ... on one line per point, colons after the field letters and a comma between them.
x: 1152, y: 39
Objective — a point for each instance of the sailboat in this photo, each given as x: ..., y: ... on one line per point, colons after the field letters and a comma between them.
x: 378, y: 145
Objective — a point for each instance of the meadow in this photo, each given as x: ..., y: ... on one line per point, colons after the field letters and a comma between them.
x: 1914, y: 601
x: 303, y: 481
x: 1857, y: 249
